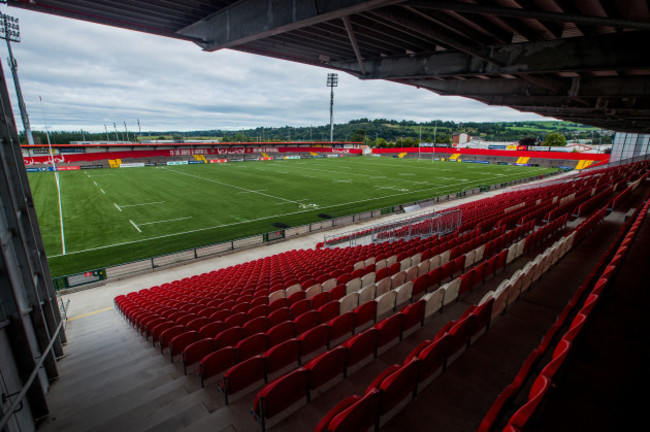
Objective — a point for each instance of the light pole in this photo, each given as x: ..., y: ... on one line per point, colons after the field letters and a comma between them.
x: 332, y: 81
x: 10, y: 31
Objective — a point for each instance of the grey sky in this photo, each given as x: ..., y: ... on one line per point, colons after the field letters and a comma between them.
x: 90, y: 75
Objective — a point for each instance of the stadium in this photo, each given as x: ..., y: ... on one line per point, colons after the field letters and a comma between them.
x: 329, y: 286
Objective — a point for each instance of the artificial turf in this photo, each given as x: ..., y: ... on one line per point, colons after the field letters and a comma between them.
x: 113, y: 216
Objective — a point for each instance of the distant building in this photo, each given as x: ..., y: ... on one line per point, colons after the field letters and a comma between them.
x: 460, y: 138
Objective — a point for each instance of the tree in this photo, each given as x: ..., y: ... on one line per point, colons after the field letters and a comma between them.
x: 358, y: 135
x: 555, y: 139
x: 528, y: 141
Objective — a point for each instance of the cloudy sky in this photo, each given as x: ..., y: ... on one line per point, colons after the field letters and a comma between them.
x: 91, y: 75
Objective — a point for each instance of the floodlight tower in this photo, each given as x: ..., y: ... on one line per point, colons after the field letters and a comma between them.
x: 10, y: 31
x: 332, y: 81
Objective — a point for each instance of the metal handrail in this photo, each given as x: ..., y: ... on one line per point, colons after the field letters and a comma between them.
x: 10, y: 412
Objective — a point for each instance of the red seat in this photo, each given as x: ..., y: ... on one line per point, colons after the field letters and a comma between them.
x: 296, y: 297
x: 399, y: 385
x: 466, y: 282
x: 337, y: 293
x: 213, y: 329
x: 236, y: 320
x: 320, y: 299
x: 341, y: 325
x: 361, y: 346
x: 217, y: 362
x: 242, y: 376
x: 413, y: 314
x: 178, y: 343
x: 276, y: 396
x: 329, y: 310
x: 280, y: 333
x: 195, y: 351
x: 326, y: 367
x: 256, y: 325
x: 167, y: 335
x: 278, y: 304
x: 282, y: 354
x: 300, y: 307
x: 365, y: 313
x: 258, y: 311
x: 314, y: 339
x: 197, y: 323
x: 359, y: 417
x: 537, y: 392
x: 229, y: 337
x: 390, y: 329
x: 434, y: 356
x: 306, y: 321
x: 322, y: 426
x: 251, y: 346
x: 278, y: 316
x: 394, y: 268
x: 220, y: 315
x: 420, y: 285
x: 240, y: 307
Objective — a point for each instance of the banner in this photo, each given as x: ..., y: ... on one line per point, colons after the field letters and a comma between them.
x: 195, y: 162
x: 177, y: 163
x: 218, y: 160
x: 91, y: 166
x: 39, y: 169
x: 68, y: 168
x: 265, y: 158
x: 132, y: 165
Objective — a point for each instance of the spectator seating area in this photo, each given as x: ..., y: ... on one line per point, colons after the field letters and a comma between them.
x: 289, y: 326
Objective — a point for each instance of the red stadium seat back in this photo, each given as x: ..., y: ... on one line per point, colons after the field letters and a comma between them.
x: 361, y: 346
x: 390, y: 329
x: 217, y: 362
x: 394, y: 268
x: 241, y: 307
x: 296, y: 297
x: 278, y: 304
x: 382, y: 273
x: 278, y: 316
x: 366, y: 313
x: 282, y: 355
x: 236, y: 320
x: 280, y: 333
x: 178, y: 343
x: 329, y: 310
x: 229, y: 337
x: 420, y: 285
x: 220, y: 315
x: 194, y: 352
x: 319, y: 300
x: 359, y: 417
x: 307, y: 321
x: 300, y: 307
x: 326, y: 367
x: 167, y: 335
x: 277, y: 396
x: 212, y: 329
x: 536, y: 395
x: 413, y: 314
x: 251, y: 346
x: 242, y: 376
x: 376, y: 382
x: 256, y: 325
x: 338, y: 292
x: 323, y: 425
x: 415, y: 352
x: 399, y: 385
x: 434, y: 356
x: 559, y: 356
x: 341, y: 325
x: 258, y: 311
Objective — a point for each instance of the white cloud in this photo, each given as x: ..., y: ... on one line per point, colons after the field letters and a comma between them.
x: 90, y: 75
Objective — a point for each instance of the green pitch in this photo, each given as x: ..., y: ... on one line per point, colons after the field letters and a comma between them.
x: 113, y: 216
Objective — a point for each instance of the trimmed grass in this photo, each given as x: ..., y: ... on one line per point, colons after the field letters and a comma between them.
x: 113, y: 216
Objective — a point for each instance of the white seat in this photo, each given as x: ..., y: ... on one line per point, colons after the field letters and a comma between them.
x: 412, y: 273
x: 293, y: 289
x: 423, y: 267
x: 391, y: 260
x: 405, y: 263
x: 512, y: 251
x: 369, y: 261
x: 444, y: 257
x: 276, y: 295
x: 416, y: 259
x: 488, y: 295
x: 451, y: 291
x: 385, y: 304
x: 329, y: 284
x: 397, y: 279
x: 500, y: 302
x: 380, y: 264
x: 359, y: 265
x: 366, y: 294
x: 348, y: 303
x: 383, y: 286
x: 313, y: 290
x: 520, y: 247
x: 479, y: 251
x: 470, y: 257
x: 368, y: 279
x: 353, y: 285
x: 403, y: 294
x: 433, y: 302
x: 434, y: 262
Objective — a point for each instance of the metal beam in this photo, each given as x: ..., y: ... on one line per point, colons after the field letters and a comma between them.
x: 529, y: 13
x: 249, y: 20
x: 353, y: 41
x: 616, y: 51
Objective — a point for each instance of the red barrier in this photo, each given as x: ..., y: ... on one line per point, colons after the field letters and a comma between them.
x: 500, y: 153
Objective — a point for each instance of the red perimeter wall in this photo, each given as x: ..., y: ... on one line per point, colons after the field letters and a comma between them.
x: 500, y: 153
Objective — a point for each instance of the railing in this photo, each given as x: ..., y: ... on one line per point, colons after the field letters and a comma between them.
x: 96, y: 276
x: 21, y: 394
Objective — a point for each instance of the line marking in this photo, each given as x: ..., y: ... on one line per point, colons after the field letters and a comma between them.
x: 142, y: 204
x: 232, y: 186
x: 136, y: 227
x: 89, y: 314
x: 117, y: 207
x: 102, y: 191
x: 95, y: 183
x: 163, y: 221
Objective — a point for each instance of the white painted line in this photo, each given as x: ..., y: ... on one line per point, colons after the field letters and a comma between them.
x: 95, y: 183
x: 136, y: 227
x: 163, y: 221
x: 117, y: 207
x: 142, y: 204
x: 102, y: 191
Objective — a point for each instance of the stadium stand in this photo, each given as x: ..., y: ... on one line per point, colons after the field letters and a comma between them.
x: 321, y: 319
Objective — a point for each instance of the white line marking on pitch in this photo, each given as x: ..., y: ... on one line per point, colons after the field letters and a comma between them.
x: 163, y: 221
x: 136, y: 227
x: 118, y: 207
x: 142, y: 204
x: 95, y: 183
x: 102, y: 191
